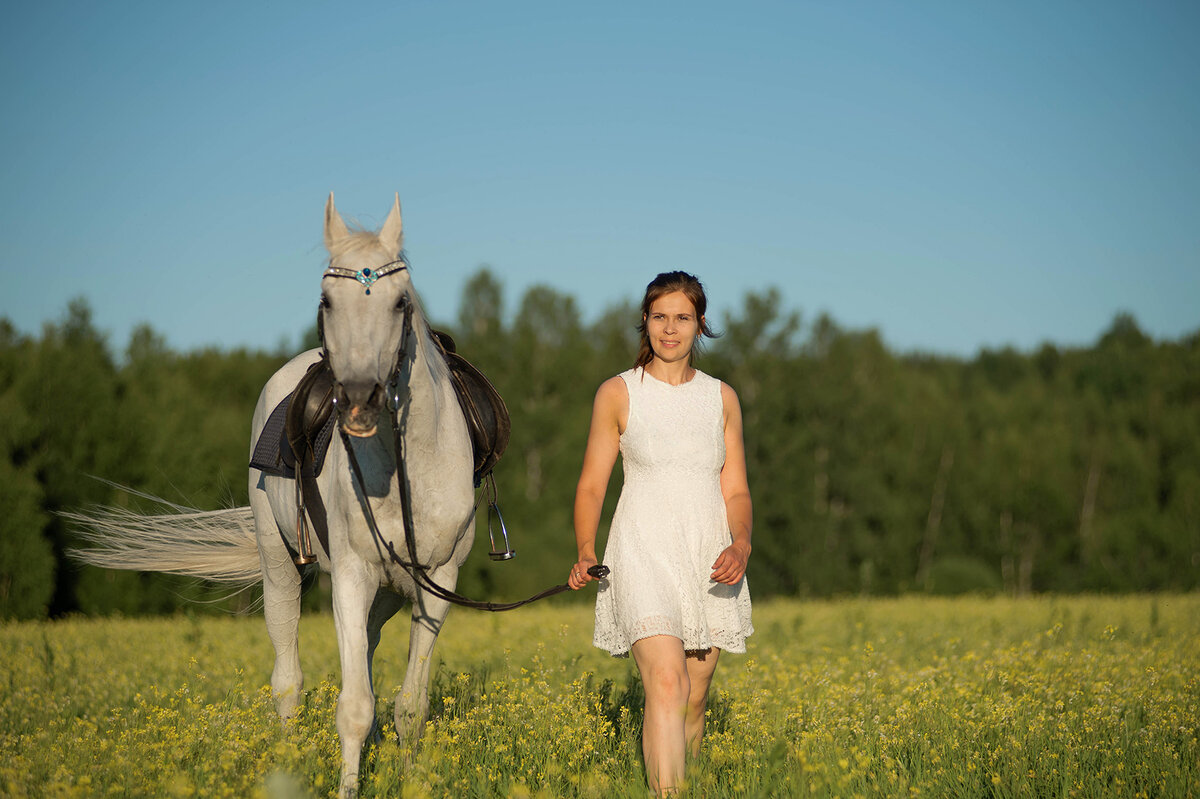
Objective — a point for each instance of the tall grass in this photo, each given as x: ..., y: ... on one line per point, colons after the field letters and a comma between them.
x: 1043, y: 697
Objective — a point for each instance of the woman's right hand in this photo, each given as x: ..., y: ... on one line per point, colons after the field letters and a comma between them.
x: 579, y: 573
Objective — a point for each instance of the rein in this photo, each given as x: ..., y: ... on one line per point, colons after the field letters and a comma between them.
x: 415, y: 569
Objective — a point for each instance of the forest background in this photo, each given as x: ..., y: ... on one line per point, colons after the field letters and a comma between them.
x: 872, y: 472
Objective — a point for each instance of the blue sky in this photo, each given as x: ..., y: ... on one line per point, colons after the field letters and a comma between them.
x: 958, y: 175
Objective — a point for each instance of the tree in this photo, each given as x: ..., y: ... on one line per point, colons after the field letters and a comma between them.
x: 1058, y: 470
x: 27, y: 563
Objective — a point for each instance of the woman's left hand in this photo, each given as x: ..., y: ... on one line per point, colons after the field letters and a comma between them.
x: 730, y: 565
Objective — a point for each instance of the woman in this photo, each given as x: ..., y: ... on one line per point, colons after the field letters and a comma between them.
x: 680, y: 537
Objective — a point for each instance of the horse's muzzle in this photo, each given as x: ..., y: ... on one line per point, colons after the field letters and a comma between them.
x: 361, y: 424
x: 361, y: 419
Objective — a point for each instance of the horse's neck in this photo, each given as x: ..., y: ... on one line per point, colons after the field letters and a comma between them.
x: 425, y: 393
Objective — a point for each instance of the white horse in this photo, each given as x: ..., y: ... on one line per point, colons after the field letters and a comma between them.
x: 363, y: 322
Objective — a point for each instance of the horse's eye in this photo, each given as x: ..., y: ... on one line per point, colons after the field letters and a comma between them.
x: 401, y: 303
x: 325, y: 303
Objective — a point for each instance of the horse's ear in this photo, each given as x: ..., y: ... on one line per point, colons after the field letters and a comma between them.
x: 335, y: 228
x: 391, y: 235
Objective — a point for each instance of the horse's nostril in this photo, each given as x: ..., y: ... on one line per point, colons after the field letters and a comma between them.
x: 363, y: 414
x: 361, y: 395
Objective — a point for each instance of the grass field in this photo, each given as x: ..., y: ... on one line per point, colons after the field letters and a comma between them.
x: 1045, y: 697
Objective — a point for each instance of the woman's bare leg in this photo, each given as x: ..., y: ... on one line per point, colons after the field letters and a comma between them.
x: 700, y: 668
x: 660, y: 659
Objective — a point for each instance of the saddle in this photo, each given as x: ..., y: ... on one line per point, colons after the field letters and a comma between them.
x: 486, y: 414
x: 296, y: 437
x: 299, y: 429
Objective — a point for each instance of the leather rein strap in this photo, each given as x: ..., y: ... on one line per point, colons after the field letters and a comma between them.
x: 418, y: 571
x: 415, y: 569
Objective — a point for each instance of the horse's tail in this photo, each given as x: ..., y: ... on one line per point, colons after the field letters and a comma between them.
x: 216, y: 545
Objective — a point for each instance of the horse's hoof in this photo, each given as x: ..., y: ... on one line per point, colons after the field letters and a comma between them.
x: 287, y: 705
x: 348, y: 789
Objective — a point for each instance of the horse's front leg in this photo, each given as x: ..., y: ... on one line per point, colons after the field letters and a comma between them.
x: 428, y: 615
x: 354, y: 589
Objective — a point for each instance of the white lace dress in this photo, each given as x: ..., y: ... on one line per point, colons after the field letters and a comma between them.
x: 670, y: 524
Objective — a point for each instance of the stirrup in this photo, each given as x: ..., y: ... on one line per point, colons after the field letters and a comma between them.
x: 305, y: 556
x: 508, y: 553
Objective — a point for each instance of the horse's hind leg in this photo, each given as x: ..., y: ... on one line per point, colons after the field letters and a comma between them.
x: 281, y: 608
x: 386, y: 604
x: 428, y: 615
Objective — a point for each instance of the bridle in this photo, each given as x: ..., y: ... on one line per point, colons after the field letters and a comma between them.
x: 393, y: 405
x: 366, y: 275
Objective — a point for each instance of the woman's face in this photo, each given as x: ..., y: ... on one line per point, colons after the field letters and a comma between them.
x: 672, y: 326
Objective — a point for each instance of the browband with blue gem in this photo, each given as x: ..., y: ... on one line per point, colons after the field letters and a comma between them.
x: 366, y: 275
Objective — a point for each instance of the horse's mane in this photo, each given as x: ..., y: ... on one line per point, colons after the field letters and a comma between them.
x: 434, y: 361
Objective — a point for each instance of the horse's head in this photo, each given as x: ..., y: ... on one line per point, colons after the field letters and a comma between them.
x: 363, y: 299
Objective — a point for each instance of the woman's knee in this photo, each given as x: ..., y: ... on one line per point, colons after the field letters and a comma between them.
x: 663, y: 669
x: 666, y: 682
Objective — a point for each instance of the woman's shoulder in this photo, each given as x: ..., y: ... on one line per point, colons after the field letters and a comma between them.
x: 713, y: 383
x: 730, y: 405
x: 612, y: 403
x: 729, y: 397
x: 614, y: 383
x: 624, y: 380
x: 613, y: 390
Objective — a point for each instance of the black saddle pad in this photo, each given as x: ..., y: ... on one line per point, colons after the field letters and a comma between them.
x: 273, y: 454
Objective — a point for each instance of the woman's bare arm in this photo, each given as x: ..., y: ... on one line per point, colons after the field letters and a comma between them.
x: 730, y: 566
x: 609, y: 411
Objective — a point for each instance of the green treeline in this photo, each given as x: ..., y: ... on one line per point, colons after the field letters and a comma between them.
x: 871, y: 472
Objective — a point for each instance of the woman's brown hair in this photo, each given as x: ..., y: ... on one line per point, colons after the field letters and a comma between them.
x: 662, y: 285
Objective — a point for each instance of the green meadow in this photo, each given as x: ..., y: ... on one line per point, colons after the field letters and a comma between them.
x: 1038, y: 697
